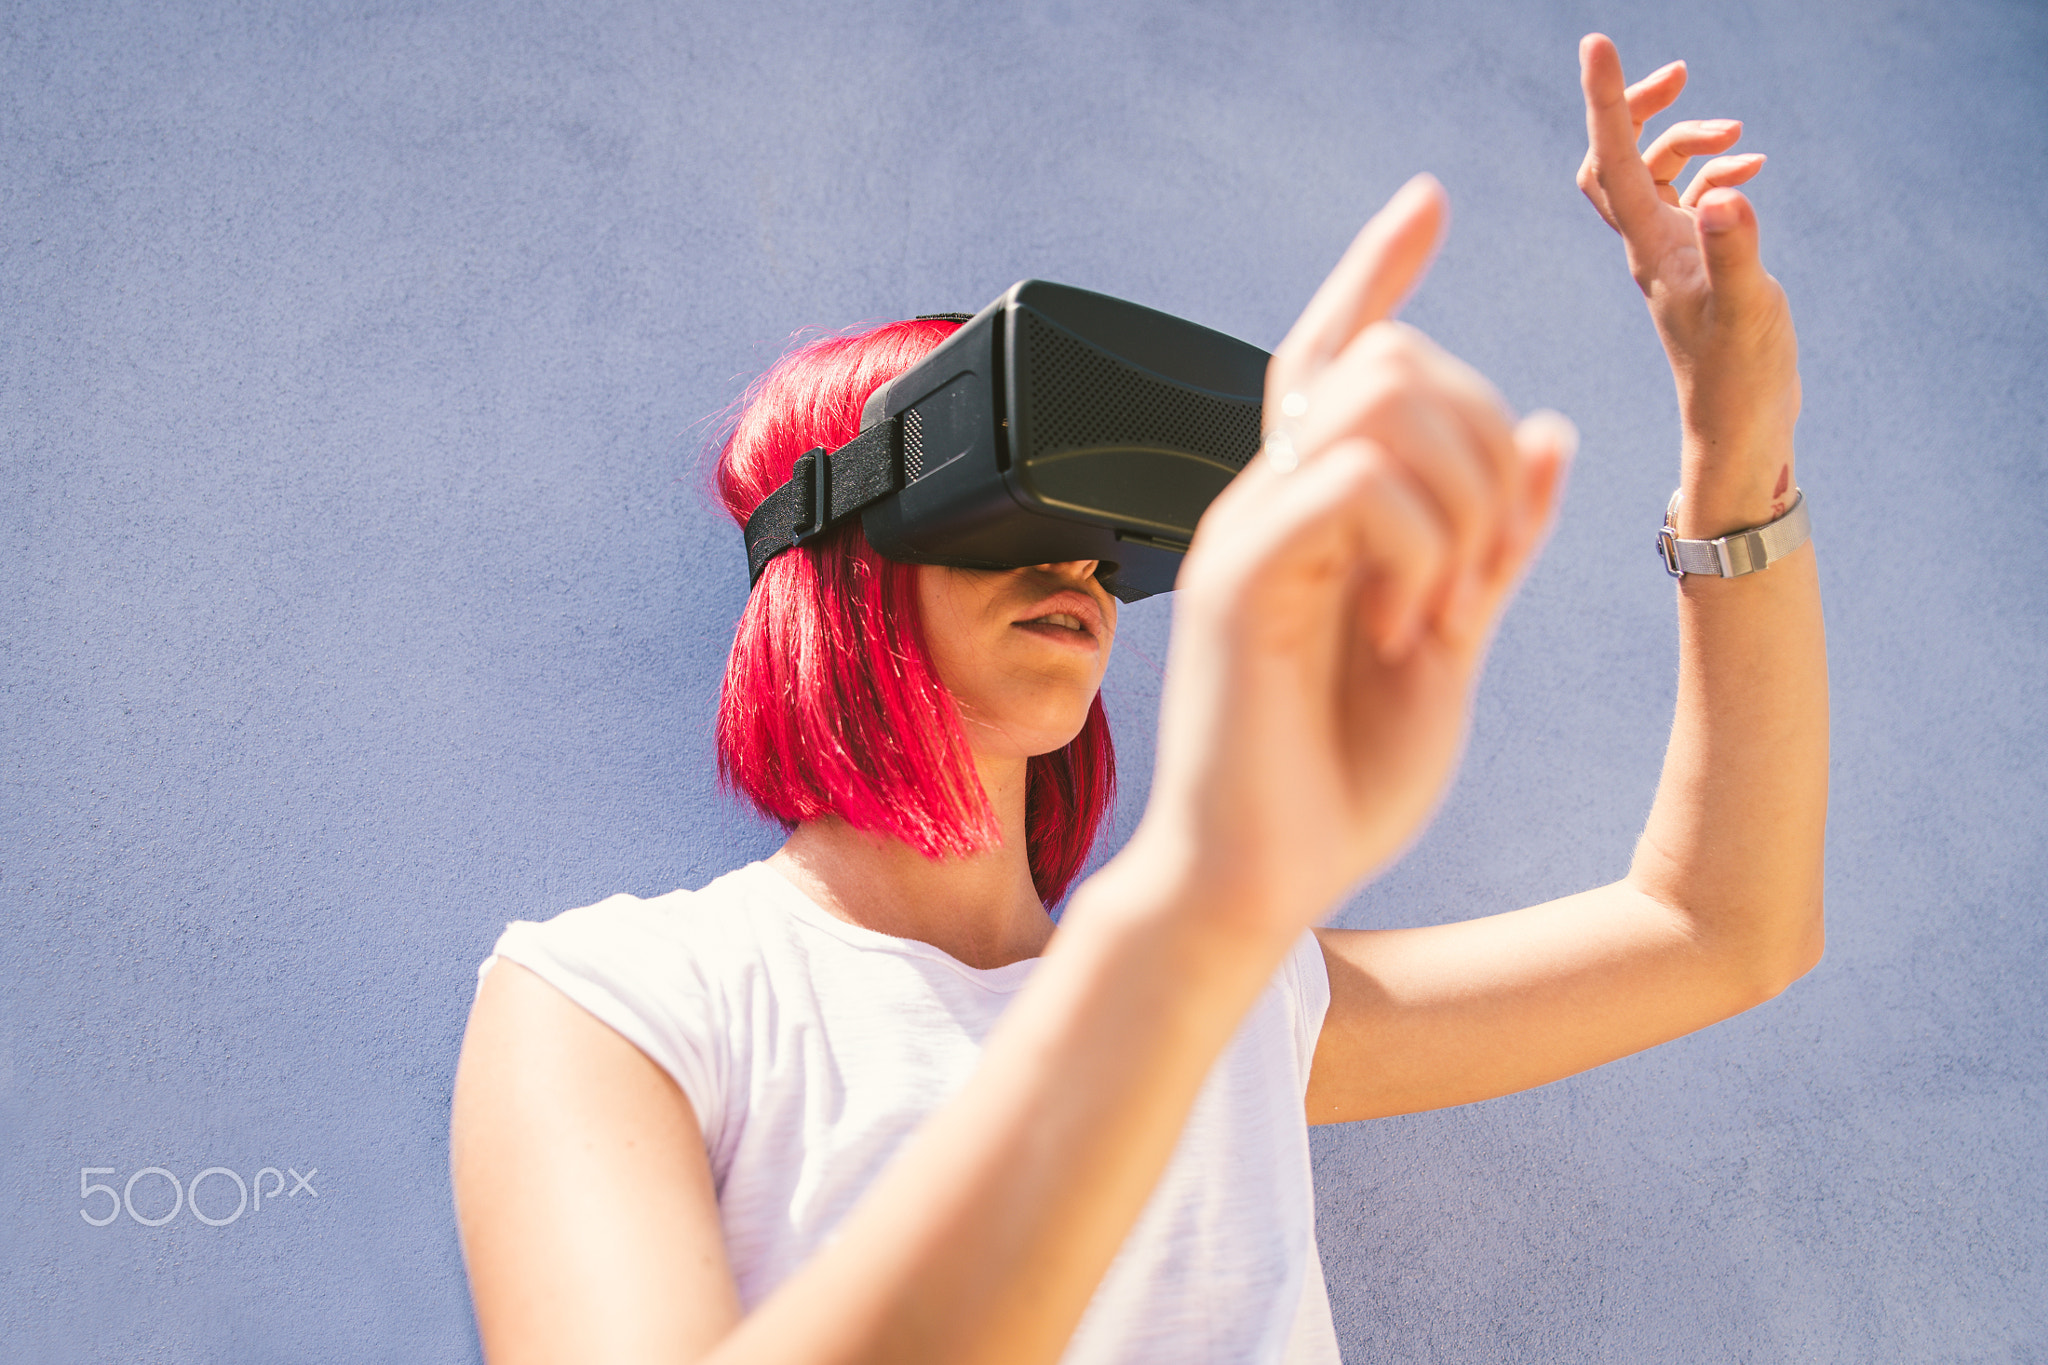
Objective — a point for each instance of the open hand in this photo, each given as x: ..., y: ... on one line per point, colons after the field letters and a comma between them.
x: 1724, y: 320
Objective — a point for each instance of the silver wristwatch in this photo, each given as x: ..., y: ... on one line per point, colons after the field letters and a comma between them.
x: 1738, y: 552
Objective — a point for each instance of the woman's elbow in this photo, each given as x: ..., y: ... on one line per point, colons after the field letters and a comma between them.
x: 1778, y: 959
x: 1813, y: 944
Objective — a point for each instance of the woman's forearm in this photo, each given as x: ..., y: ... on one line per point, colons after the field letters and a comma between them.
x: 1734, y: 841
x: 987, y: 1235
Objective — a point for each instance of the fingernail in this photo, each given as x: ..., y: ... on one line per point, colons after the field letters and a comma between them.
x: 1718, y: 215
x: 1560, y: 429
x: 1722, y: 125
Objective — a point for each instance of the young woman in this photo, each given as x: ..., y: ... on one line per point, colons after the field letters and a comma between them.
x: 861, y: 1103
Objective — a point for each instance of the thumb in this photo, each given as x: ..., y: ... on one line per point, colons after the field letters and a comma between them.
x: 1728, y: 242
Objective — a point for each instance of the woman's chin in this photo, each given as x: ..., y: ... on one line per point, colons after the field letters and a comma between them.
x: 1023, y: 733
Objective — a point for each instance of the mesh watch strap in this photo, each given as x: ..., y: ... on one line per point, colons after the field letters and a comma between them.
x: 1738, y: 552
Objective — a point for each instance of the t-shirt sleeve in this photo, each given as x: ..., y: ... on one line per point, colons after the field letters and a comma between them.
x: 626, y: 961
x: 1308, y: 980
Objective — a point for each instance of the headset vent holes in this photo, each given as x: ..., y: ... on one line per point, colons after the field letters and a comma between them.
x: 1116, y: 404
x: 913, y: 444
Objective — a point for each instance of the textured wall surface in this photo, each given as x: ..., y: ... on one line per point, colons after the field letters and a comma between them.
x: 360, y: 593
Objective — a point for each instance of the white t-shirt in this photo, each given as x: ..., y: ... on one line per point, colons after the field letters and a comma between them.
x: 811, y: 1048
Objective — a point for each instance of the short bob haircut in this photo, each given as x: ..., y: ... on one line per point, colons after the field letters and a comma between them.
x: 831, y: 705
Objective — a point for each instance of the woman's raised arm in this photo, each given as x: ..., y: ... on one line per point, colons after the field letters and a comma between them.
x: 1721, y: 907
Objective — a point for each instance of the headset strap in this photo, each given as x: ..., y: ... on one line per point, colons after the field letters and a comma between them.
x: 825, y: 490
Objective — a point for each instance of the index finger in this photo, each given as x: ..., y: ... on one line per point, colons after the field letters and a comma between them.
x: 1611, y: 134
x: 1383, y: 263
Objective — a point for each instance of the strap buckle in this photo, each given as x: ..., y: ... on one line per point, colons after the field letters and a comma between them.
x: 812, y: 475
x: 1667, y: 546
x: 824, y: 489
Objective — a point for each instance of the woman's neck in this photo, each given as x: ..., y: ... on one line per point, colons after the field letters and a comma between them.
x: 981, y: 908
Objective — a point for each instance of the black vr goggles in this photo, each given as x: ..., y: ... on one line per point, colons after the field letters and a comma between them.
x: 1054, y: 425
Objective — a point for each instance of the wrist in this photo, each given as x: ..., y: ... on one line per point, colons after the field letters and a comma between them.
x: 1732, y: 483
x: 1214, y: 926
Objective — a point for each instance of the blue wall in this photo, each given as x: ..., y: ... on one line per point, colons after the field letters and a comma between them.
x: 361, y: 594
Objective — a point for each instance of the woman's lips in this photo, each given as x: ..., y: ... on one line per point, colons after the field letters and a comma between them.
x: 1068, y: 613
x: 1061, y: 618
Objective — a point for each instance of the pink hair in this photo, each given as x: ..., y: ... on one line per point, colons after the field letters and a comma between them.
x: 831, y: 705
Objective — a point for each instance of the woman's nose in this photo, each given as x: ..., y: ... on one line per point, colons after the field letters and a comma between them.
x: 1076, y: 569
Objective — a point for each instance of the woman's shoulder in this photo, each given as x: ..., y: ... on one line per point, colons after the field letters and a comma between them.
x: 705, y: 925
x: 670, y: 973
x: 701, y: 912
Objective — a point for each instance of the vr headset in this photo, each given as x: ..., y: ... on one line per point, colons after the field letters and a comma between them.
x: 1054, y: 425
